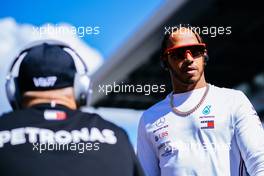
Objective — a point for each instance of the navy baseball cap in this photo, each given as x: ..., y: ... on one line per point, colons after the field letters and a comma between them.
x: 46, y: 67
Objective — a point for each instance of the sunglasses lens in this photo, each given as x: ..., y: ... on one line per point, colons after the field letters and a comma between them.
x: 180, y: 53
x: 197, y: 51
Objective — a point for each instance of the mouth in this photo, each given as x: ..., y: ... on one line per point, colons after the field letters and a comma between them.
x: 190, y: 70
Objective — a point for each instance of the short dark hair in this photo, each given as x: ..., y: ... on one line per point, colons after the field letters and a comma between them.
x: 174, y: 29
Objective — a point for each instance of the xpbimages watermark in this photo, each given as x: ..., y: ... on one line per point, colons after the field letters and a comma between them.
x: 147, y: 89
x: 56, y: 29
x: 76, y: 147
x: 168, y: 148
x: 212, y: 31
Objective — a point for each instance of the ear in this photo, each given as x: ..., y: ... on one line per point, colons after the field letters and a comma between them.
x: 164, y: 63
x: 206, y: 57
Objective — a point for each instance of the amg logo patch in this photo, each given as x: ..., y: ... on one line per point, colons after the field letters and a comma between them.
x: 45, y: 81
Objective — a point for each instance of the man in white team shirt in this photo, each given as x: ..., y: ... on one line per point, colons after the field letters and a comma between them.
x: 198, y: 129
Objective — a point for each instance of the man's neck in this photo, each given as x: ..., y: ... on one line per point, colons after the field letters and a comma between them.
x: 31, y: 98
x: 181, y: 87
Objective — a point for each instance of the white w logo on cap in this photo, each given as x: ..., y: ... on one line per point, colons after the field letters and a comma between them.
x: 45, y: 81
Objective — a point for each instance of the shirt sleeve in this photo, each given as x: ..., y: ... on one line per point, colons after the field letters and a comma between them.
x: 145, y: 151
x: 137, y: 169
x: 134, y: 166
x: 249, y: 135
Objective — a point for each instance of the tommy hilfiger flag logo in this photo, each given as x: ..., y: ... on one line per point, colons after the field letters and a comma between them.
x: 207, y: 124
x: 54, y: 115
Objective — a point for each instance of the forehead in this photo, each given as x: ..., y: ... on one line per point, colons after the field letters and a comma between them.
x: 182, y: 36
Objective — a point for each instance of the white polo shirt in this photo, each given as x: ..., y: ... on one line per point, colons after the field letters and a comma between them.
x: 223, y: 137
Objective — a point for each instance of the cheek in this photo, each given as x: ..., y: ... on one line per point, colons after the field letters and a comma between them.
x: 200, y: 63
x: 174, y: 64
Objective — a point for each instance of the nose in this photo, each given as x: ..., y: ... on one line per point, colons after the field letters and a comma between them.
x: 188, y: 55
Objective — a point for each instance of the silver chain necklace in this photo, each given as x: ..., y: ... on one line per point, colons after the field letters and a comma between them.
x: 184, y: 114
